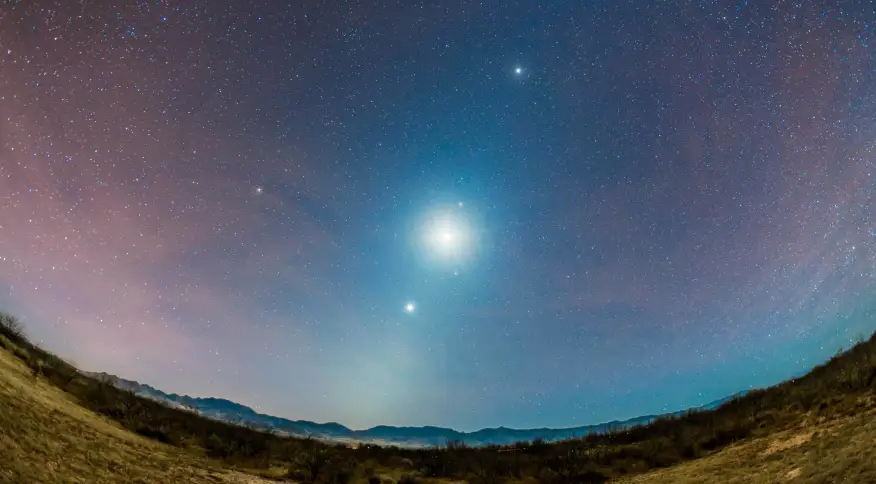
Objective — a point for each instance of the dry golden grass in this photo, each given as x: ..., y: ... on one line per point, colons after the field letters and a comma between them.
x: 46, y: 437
x: 840, y: 450
x: 820, y: 428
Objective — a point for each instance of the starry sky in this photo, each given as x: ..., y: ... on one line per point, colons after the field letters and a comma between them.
x: 464, y: 214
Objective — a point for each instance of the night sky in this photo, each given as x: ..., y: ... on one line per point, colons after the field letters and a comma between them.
x: 462, y: 214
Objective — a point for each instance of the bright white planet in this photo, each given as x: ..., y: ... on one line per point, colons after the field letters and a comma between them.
x: 447, y: 235
x: 410, y: 307
x: 518, y: 70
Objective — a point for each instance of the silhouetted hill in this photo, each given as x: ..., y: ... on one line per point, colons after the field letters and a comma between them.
x: 815, y: 428
x: 228, y: 411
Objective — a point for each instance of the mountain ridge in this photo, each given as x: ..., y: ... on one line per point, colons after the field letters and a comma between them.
x: 402, y: 436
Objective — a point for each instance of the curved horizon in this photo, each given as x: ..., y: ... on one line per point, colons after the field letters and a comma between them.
x: 468, y: 215
x: 157, y: 394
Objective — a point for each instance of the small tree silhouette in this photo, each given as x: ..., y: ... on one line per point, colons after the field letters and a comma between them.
x: 11, y: 327
x: 319, y: 463
x: 489, y: 468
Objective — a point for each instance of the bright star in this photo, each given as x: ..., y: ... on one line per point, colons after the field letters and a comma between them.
x: 518, y: 70
x: 410, y: 307
x: 259, y: 190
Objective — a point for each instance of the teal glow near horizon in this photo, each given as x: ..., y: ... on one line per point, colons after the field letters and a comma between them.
x: 457, y: 215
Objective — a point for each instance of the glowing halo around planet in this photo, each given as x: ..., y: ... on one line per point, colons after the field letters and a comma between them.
x: 446, y: 237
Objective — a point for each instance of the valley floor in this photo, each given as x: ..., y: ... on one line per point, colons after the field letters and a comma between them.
x: 46, y: 437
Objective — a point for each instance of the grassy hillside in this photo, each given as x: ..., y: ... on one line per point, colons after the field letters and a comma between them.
x: 101, y: 432
x: 815, y: 451
x: 46, y: 436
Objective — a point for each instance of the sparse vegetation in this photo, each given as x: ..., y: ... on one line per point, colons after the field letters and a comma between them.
x: 841, y: 388
x: 11, y: 329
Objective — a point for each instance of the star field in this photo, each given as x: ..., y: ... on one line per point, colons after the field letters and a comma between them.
x: 414, y: 213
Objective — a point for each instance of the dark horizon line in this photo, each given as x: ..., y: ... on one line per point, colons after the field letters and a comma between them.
x: 464, y: 432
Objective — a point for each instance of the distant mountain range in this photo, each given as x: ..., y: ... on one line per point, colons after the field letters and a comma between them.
x: 235, y: 413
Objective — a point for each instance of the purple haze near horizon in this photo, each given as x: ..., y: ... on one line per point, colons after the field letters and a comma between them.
x: 661, y: 205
